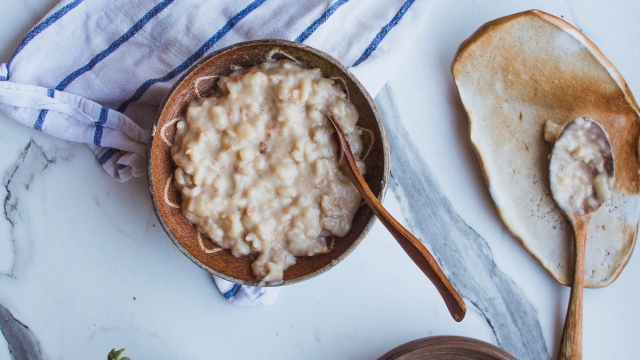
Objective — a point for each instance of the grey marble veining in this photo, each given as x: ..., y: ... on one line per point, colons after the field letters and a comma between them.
x: 33, y: 160
x: 23, y: 345
x: 463, y: 255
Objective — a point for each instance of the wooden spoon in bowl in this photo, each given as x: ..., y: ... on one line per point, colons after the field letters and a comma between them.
x: 411, y: 245
x: 581, y: 174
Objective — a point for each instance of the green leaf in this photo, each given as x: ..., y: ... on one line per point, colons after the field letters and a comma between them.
x: 115, y: 355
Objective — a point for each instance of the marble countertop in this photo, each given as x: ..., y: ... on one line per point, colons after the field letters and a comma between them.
x: 85, y: 266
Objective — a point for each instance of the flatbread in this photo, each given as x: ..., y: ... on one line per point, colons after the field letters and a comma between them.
x: 513, y: 74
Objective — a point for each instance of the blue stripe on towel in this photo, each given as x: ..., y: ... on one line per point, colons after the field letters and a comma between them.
x: 231, y: 293
x: 101, y: 56
x: 194, y: 57
x: 40, y: 120
x: 114, y: 45
x: 40, y: 28
x: 43, y: 113
x: 97, y: 135
x: 327, y: 14
x: 107, y: 155
x: 383, y: 32
x: 121, y: 166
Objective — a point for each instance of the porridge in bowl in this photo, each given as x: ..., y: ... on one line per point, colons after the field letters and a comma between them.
x: 257, y: 165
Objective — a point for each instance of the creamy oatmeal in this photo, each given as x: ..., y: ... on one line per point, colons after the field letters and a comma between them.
x: 257, y: 165
x: 581, y: 167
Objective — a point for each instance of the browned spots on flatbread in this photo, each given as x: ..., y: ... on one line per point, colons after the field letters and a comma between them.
x: 565, y: 91
x: 515, y: 73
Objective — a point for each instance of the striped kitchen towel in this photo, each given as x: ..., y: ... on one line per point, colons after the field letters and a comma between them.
x: 95, y: 71
x: 242, y: 295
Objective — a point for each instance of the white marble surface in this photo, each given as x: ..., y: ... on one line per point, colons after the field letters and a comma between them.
x: 77, y: 247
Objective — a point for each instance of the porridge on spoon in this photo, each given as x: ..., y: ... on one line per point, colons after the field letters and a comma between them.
x: 582, y: 166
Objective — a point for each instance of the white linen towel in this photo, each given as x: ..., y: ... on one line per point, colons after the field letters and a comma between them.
x: 95, y: 71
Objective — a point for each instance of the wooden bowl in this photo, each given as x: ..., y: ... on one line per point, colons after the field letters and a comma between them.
x: 447, y: 348
x: 200, y: 80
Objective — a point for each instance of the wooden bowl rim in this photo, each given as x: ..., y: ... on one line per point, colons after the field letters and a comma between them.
x: 274, y: 43
x: 449, y: 346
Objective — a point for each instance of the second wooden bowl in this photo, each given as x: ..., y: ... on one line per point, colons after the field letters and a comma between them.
x: 447, y: 348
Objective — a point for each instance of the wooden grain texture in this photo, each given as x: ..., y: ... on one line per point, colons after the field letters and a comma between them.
x: 571, y: 346
x: 411, y: 245
x: 446, y: 348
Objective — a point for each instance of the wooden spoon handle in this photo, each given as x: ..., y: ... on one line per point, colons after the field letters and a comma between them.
x: 412, y: 246
x: 571, y: 346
